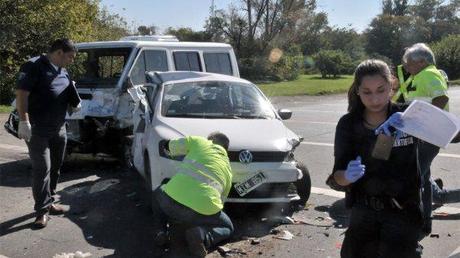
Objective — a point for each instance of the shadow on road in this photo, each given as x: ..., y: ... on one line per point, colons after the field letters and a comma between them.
x: 338, y: 212
x: 108, y: 204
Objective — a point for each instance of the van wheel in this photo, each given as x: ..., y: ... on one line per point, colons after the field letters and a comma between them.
x: 126, y: 153
x: 303, y: 186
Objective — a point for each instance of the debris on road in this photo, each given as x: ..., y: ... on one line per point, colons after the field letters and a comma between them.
x: 255, y: 241
x: 286, y: 235
x: 318, y: 221
x: 77, y: 254
x: 226, y: 251
x: 275, y: 231
x: 434, y: 235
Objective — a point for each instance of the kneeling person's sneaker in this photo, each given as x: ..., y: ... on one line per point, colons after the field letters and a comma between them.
x: 194, y: 238
x: 55, y: 209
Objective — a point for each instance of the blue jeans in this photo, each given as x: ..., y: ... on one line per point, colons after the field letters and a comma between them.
x: 215, y: 228
x: 385, y: 233
x: 441, y: 196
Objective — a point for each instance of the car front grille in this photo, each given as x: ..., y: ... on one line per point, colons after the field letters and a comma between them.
x: 260, y: 156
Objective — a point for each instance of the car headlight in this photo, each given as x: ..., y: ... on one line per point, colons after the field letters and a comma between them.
x: 164, y: 152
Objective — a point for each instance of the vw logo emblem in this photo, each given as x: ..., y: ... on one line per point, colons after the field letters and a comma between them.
x: 245, y: 157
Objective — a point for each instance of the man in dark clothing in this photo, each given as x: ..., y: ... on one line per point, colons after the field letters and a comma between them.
x: 44, y: 93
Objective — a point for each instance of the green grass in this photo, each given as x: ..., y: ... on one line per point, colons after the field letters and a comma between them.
x: 307, y: 85
x: 5, y: 109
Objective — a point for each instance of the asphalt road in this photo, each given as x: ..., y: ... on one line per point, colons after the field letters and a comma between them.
x: 108, y: 217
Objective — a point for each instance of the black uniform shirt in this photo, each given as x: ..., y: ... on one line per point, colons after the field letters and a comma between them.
x: 396, y: 177
x: 50, y: 94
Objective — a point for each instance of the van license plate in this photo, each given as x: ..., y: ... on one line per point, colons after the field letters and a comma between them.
x: 252, y: 183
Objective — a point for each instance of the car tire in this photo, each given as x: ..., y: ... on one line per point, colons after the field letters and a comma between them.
x: 303, y: 186
x: 126, y: 154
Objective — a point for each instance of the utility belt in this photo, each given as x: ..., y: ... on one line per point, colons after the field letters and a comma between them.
x: 378, y: 203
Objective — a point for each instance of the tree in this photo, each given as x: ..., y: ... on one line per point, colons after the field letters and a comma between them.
x: 147, y: 30
x: 447, y: 53
x: 388, y: 35
x: 29, y: 26
x: 187, y: 34
x: 332, y: 62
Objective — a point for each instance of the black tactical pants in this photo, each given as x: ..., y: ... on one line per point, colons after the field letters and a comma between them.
x: 47, y: 155
x: 385, y: 233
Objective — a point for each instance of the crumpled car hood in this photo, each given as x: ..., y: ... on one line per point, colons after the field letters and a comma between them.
x: 252, y: 134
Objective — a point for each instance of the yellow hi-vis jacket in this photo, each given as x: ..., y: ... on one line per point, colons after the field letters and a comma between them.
x: 403, y: 83
x: 425, y: 85
x: 204, y: 178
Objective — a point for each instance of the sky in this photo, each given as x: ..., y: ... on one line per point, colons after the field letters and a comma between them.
x: 193, y: 13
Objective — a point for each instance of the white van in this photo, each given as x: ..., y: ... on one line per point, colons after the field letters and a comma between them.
x: 104, y: 70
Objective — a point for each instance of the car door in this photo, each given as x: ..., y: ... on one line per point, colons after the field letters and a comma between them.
x: 142, y: 117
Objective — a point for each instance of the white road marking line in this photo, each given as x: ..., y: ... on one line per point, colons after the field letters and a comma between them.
x: 442, y: 154
x: 3, y: 160
x: 337, y: 194
x: 455, y: 254
x: 319, y: 144
x: 14, y: 147
x: 328, y: 192
x: 311, y: 122
x: 318, y: 111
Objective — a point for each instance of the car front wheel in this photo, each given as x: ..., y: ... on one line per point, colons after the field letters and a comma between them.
x: 303, y: 186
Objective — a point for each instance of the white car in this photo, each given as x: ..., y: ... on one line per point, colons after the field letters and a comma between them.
x: 178, y: 104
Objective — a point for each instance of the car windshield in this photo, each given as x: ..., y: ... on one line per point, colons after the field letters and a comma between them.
x: 99, y: 67
x: 215, y: 99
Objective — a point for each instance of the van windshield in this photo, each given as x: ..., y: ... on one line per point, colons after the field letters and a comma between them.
x: 99, y: 67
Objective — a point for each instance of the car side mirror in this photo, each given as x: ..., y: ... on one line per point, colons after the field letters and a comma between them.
x: 285, y: 114
x: 127, y: 84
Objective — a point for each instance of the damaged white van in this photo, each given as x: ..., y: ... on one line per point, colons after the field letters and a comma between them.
x: 104, y: 70
x: 261, y: 151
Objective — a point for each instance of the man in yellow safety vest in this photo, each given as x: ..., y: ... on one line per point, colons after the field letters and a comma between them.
x: 194, y: 197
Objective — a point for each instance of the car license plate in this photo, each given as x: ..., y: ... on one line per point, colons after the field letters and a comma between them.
x: 250, y: 184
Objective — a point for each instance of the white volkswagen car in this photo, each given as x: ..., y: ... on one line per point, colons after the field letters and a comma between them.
x: 178, y: 104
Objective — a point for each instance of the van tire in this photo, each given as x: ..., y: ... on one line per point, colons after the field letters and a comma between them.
x: 303, y: 186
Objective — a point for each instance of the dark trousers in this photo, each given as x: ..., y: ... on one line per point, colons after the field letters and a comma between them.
x: 386, y: 233
x: 215, y: 228
x: 442, y: 196
x: 47, y: 155
x: 427, y: 153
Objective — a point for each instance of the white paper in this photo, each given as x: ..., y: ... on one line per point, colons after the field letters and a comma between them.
x: 430, y: 123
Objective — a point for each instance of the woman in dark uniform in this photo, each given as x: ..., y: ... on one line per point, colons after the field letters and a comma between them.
x: 384, y: 195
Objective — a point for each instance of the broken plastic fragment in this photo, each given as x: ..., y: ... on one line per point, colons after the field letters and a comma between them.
x: 286, y: 235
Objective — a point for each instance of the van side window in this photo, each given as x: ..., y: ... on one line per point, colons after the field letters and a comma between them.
x: 138, y: 71
x: 218, y: 63
x: 187, y: 61
x: 155, y: 60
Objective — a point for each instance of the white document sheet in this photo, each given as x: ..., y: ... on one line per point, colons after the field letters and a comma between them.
x: 430, y: 123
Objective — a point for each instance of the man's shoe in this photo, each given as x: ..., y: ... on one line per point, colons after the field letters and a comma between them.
x: 439, y: 182
x: 56, y: 209
x: 195, y: 243
x: 41, y: 221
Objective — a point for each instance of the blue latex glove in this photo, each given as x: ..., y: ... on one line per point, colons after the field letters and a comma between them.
x: 392, y: 121
x: 355, y: 170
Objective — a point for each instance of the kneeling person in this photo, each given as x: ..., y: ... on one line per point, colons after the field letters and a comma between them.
x: 195, y: 196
